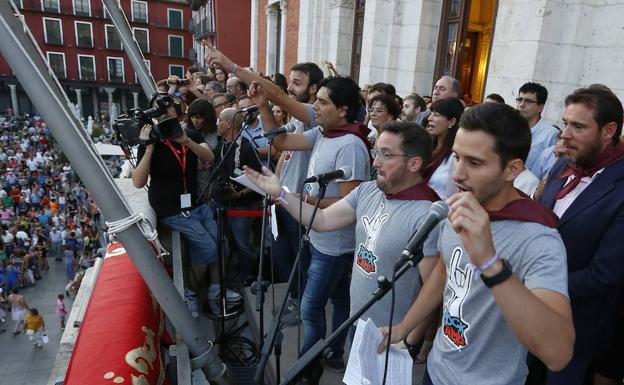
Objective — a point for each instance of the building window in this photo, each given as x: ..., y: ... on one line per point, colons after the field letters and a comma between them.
x: 82, y: 8
x: 177, y: 70
x: 176, y: 46
x: 86, y: 67
x: 174, y: 18
x: 112, y: 38
x: 84, y: 34
x: 50, y: 6
x: 139, y: 11
x: 115, y: 70
x: 106, y: 15
x: 141, y: 35
x: 57, y: 63
x: 53, y: 31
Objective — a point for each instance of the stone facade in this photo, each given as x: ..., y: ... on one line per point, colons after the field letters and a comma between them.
x: 561, y: 44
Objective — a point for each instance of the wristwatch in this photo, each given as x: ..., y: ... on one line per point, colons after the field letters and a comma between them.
x: 499, y: 277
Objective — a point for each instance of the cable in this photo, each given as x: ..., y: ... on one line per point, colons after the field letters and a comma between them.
x: 389, y: 329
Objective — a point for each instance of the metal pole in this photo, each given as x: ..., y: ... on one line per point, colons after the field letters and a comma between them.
x: 113, y: 7
x: 26, y: 60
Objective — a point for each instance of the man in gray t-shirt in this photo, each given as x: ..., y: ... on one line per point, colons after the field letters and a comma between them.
x: 502, y: 280
x: 385, y: 214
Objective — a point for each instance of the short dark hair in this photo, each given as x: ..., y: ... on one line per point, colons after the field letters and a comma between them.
x: 394, y: 109
x: 415, y: 140
x: 418, y: 100
x: 280, y: 80
x: 204, y: 109
x: 535, y: 88
x: 512, y: 136
x: 496, y: 97
x: 384, y: 88
x: 192, y: 69
x: 314, y: 72
x: 603, y: 102
x: 343, y: 91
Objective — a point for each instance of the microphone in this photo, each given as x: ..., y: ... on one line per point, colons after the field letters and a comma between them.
x: 437, y: 212
x: 249, y: 109
x: 277, y: 131
x: 343, y: 172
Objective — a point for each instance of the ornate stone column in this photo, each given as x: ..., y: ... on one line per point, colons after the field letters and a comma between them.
x: 283, y: 30
x: 14, y: 100
x: 79, y: 101
x: 271, y: 24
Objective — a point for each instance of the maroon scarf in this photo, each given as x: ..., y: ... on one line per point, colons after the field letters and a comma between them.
x: 608, y: 156
x: 355, y: 128
x: 418, y: 192
x: 525, y: 209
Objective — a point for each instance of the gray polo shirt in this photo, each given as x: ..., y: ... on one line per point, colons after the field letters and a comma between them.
x: 330, y: 154
x: 474, y: 344
x: 383, y: 228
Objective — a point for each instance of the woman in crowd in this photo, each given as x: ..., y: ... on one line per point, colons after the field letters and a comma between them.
x: 381, y: 110
x: 442, y: 126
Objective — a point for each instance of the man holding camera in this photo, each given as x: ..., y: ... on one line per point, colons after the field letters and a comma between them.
x: 169, y: 157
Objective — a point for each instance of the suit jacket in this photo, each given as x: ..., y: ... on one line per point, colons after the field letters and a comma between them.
x: 592, y: 229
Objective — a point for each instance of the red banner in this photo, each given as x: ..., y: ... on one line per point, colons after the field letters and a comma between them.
x: 120, y: 336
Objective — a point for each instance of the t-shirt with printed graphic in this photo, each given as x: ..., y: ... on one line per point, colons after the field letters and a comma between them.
x: 330, y: 154
x: 295, y: 163
x: 474, y: 344
x: 383, y: 228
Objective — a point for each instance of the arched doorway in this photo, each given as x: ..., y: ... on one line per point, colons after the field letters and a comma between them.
x: 465, y: 38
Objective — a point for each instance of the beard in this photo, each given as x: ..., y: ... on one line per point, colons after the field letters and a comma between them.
x: 303, y: 98
x: 587, y: 157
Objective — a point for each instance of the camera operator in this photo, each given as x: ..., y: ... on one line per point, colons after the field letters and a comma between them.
x: 170, y: 157
x: 229, y: 126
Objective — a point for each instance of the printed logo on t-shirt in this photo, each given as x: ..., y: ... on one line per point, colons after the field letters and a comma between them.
x: 287, y: 156
x: 365, y: 258
x: 458, y: 281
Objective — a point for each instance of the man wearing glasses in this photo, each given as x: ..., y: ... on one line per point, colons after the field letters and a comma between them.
x: 530, y: 102
x: 385, y: 212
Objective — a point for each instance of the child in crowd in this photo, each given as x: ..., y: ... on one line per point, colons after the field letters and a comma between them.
x: 60, y: 310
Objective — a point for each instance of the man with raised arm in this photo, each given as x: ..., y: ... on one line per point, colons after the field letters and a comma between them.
x: 502, y: 277
x: 292, y: 165
x: 386, y: 212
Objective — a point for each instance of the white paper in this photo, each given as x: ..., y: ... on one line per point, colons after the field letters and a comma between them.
x: 364, y: 350
x: 242, y: 179
x: 273, y: 222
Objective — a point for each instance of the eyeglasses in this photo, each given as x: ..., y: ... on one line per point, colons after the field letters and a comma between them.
x: 526, y: 100
x: 220, y: 105
x: 376, y: 110
x: 384, y: 156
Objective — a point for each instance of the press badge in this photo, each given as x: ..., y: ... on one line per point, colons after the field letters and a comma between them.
x: 185, y: 201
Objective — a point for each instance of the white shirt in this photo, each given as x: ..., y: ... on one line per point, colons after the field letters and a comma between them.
x: 526, y: 182
x: 561, y: 205
x: 441, y: 180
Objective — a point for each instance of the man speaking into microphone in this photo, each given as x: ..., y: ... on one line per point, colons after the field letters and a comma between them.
x: 385, y: 213
x: 502, y: 277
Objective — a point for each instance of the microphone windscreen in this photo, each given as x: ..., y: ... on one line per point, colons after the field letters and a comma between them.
x: 347, y: 172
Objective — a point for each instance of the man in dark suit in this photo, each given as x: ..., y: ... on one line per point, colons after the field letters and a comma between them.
x: 585, y: 189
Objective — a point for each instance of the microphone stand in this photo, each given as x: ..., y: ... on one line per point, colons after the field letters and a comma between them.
x: 275, y: 335
x: 260, y: 286
x: 384, y: 286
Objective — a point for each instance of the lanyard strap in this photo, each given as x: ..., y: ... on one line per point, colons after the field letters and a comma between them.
x: 181, y: 160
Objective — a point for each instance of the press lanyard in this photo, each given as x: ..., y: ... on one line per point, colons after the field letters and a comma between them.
x: 181, y: 160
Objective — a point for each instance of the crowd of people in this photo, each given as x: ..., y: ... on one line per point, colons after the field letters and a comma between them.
x: 46, y: 216
x: 513, y: 278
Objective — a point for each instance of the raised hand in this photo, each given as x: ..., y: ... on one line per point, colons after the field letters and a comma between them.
x: 267, y: 181
x: 145, y: 131
x: 257, y: 94
x: 470, y: 220
x: 216, y: 57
